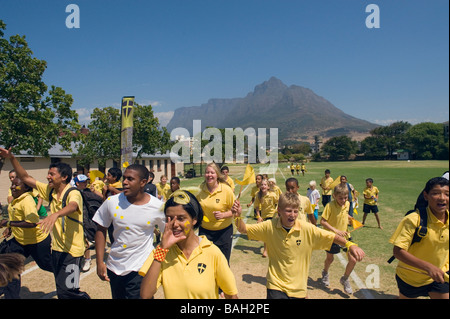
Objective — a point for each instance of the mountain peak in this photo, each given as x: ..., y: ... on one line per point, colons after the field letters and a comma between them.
x: 273, y: 84
x: 298, y: 112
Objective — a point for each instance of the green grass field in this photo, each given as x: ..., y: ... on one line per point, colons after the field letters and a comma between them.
x: 399, y: 183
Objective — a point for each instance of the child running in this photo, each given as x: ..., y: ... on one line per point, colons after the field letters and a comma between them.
x: 266, y: 206
x: 314, y: 197
x: 371, y: 201
x: 335, y: 218
x: 423, y: 264
x: 290, y: 244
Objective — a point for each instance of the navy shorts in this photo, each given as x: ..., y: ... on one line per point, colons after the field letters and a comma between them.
x: 370, y: 208
x: 423, y: 291
x: 336, y: 249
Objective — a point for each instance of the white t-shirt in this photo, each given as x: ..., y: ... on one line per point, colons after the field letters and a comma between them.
x: 313, y: 196
x: 133, y: 231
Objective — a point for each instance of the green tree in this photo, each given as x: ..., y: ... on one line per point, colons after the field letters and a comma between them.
x: 340, y: 148
x: 427, y: 141
x: 32, y: 118
x: 103, y: 141
x: 374, y: 148
x: 391, y: 138
x: 148, y: 137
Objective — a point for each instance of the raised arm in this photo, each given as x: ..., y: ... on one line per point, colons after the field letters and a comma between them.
x: 237, y: 211
x: 20, y: 171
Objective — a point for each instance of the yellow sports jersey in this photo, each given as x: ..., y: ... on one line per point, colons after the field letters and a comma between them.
x: 305, y: 208
x: 221, y: 200
x: 277, y: 190
x: 433, y: 248
x: 71, y: 238
x: 326, y: 182
x: 163, y: 190
x: 98, y: 186
x: 290, y: 253
x: 231, y: 183
x: 23, y: 208
x: 255, y: 189
x: 336, y: 215
x: 198, y: 277
x: 370, y: 192
x: 267, y: 205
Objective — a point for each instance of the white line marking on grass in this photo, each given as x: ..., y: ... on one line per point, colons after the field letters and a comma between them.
x: 237, y: 236
x: 30, y: 270
x: 361, y: 286
x: 284, y: 177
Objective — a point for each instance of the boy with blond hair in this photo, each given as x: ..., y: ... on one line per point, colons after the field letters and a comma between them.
x: 290, y: 243
x: 335, y: 218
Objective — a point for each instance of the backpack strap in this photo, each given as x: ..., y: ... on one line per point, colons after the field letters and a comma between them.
x: 64, y: 203
x: 421, y: 230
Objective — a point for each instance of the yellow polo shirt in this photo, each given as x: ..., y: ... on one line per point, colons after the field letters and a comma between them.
x: 336, y: 215
x: 221, y: 200
x: 71, y: 238
x: 433, y: 248
x: 163, y: 190
x: 290, y: 253
x: 305, y: 208
x: 255, y: 189
x: 198, y: 277
x: 370, y: 192
x: 23, y: 208
x: 231, y: 183
x: 277, y: 190
x: 98, y: 185
x: 326, y: 182
x: 267, y: 205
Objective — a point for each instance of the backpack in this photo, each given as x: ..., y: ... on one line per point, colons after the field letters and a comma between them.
x: 421, y: 230
x: 91, y: 203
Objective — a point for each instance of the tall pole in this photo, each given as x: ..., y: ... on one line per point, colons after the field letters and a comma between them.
x: 126, y: 138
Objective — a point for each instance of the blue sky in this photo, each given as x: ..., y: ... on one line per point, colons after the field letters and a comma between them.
x: 175, y: 53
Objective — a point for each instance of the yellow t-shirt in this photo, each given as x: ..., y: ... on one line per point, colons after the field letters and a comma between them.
x: 221, y: 200
x: 370, y: 192
x: 326, y: 182
x: 336, y: 215
x: 277, y: 190
x: 305, y: 208
x: 98, y: 186
x: 198, y: 277
x: 267, y: 205
x: 255, y: 189
x: 71, y: 238
x: 290, y: 253
x: 23, y: 208
x: 433, y: 248
x: 164, y: 191
x: 231, y: 183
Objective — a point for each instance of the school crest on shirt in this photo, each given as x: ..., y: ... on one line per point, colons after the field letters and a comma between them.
x: 201, y: 268
x: 298, y: 242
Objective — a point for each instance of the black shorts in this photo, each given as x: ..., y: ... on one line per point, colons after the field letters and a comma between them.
x: 336, y: 249
x: 423, y: 291
x: 223, y: 239
x: 325, y: 200
x: 370, y: 208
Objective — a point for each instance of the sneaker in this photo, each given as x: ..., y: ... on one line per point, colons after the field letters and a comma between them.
x: 325, y: 278
x: 86, y: 265
x: 347, y: 287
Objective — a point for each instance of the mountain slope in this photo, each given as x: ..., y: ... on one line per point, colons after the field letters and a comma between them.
x: 297, y: 112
